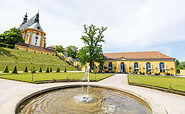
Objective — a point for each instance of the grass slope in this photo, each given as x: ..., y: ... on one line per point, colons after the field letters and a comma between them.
x: 21, y: 59
x: 49, y: 76
x: 177, y: 83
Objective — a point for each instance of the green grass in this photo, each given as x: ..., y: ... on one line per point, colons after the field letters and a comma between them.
x: 177, y: 83
x: 49, y: 76
x: 21, y: 59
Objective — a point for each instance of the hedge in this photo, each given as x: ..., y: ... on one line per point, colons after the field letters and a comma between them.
x: 7, y: 45
x: 26, y: 69
x: 14, y: 70
x: 6, y: 70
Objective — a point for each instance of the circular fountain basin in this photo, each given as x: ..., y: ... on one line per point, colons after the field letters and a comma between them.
x: 76, y: 100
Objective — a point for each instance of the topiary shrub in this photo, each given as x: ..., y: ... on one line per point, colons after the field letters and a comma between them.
x: 14, y: 70
x: 40, y: 69
x: 6, y: 70
x: 178, y: 70
x: 50, y: 70
x: 26, y: 69
x: 58, y: 70
x: 47, y: 70
x: 65, y: 70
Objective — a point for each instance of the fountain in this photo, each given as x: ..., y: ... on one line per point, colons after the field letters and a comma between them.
x: 84, y: 100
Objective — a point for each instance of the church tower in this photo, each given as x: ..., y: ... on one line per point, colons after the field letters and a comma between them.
x: 32, y: 31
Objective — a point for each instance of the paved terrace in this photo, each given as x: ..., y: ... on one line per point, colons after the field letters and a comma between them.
x: 174, y: 104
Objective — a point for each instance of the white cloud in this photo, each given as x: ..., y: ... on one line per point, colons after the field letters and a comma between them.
x: 133, y: 25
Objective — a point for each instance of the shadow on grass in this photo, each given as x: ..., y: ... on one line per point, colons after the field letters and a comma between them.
x: 6, y: 52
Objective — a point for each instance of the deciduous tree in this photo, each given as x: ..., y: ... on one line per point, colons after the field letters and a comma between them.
x: 12, y: 36
x: 92, y: 39
x: 72, y: 51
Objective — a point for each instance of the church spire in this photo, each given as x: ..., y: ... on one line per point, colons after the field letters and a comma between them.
x: 37, y: 18
x: 25, y: 19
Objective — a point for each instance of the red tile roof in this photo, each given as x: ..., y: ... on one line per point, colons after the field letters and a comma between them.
x: 138, y: 55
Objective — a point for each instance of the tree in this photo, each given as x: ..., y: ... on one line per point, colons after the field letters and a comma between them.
x: 177, y: 63
x: 82, y: 55
x: 12, y: 36
x: 72, y: 51
x: 59, y: 49
x: 93, y: 36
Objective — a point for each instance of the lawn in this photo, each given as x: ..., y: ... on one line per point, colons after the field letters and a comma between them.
x: 177, y: 83
x: 49, y: 76
x: 21, y: 59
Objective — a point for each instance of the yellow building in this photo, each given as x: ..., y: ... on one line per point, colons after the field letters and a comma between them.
x: 32, y: 31
x: 151, y: 62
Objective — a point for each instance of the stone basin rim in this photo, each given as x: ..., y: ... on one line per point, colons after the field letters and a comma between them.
x: 152, y: 105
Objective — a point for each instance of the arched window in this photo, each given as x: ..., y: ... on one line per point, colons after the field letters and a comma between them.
x: 148, y: 67
x: 110, y: 66
x: 136, y: 67
x: 161, y: 67
x: 101, y: 66
x: 93, y: 66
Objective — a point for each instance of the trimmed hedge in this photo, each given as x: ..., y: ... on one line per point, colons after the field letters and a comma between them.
x: 58, y: 70
x: 50, y: 70
x: 26, y: 69
x: 6, y: 70
x: 47, y: 70
x: 40, y: 69
x: 65, y: 70
x: 14, y: 70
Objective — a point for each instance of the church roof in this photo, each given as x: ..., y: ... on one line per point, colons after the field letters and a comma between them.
x: 32, y: 23
x: 137, y: 55
x: 36, y: 26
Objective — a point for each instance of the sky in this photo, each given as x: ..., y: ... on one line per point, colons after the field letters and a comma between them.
x: 132, y: 25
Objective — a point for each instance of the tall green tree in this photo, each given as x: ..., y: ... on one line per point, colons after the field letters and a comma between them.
x: 92, y: 39
x: 177, y: 63
x: 72, y: 51
x: 83, y: 55
x: 12, y: 36
x: 60, y: 49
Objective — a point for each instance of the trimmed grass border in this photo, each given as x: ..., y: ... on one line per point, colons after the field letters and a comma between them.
x: 153, y: 86
x: 40, y: 78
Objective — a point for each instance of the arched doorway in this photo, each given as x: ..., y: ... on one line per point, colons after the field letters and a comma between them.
x: 110, y: 66
x: 122, y: 67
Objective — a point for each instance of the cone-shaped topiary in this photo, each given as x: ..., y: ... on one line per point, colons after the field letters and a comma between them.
x: 40, y: 69
x: 47, y: 70
x: 6, y: 70
x: 14, y: 70
x: 26, y: 69
x: 58, y: 70
x: 50, y: 70
x: 65, y: 70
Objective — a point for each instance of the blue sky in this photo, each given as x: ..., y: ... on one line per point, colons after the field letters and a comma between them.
x: 133, y: 25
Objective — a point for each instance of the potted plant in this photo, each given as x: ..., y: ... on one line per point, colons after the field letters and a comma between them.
x: 130, y: 68
x: 171, y: 70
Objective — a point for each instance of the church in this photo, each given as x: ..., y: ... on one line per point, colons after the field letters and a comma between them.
x: 34, y: 36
